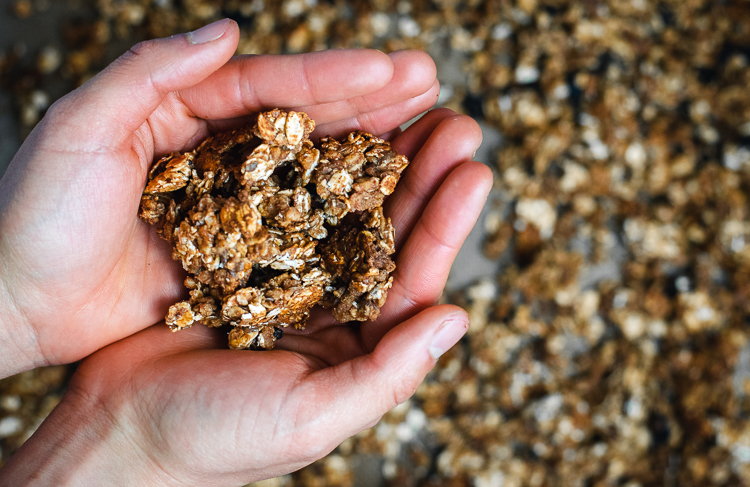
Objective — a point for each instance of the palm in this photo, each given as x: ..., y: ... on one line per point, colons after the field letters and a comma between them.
x: 101, y: 229
x: 201, y: 401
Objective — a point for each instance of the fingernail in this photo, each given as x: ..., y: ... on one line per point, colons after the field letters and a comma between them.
x: 449, y: 333
x: 209, y: 32
x: 477, y: 149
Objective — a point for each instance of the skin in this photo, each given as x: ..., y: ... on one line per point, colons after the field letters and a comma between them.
x: 81, y: 276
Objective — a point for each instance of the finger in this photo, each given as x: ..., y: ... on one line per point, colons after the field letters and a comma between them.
x: 251, y: 83
x: 374, y: 104
x: 425, y: 260
x: 112, y: 105
x: 392, y: 134
x: 453, y: 141
x: 384, y: 119
x: 343, y: 400
x: 410, y: 142
x: 414, y: 73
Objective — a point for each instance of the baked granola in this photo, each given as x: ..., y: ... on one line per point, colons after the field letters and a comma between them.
x: 256, y: 216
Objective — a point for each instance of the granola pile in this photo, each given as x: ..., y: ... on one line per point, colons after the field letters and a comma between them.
x: 267, y: 225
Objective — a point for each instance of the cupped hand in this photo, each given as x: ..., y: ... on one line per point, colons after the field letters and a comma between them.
x: 179, y: 409
x: 78, y: 270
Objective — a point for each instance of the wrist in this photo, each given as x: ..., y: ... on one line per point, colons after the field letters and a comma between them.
x: 83, y: 442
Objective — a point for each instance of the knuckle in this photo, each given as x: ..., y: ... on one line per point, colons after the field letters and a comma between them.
x: 57, y: 114
x: 142, y: 48
x: 56, y: 110
x: 403, y: 390
x: 310, y: 448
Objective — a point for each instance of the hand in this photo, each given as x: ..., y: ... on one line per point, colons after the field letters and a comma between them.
x: 78, y: 270
x: 179, y: 409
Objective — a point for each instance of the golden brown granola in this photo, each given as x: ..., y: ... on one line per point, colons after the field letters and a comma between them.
x: 244, y: 224
x: 360, y: 266
x: 357, y: 174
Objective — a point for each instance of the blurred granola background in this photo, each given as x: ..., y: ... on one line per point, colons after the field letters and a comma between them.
x: 609, y: 278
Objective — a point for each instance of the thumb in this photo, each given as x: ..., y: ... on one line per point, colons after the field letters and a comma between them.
x: 354, y: 395
x: 112, y: 105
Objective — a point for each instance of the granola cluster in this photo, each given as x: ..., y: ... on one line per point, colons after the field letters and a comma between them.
x: 267, y: 225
